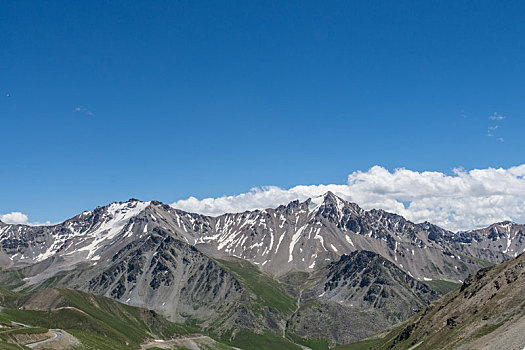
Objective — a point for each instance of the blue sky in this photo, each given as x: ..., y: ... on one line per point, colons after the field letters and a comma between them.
x: 103, y: 101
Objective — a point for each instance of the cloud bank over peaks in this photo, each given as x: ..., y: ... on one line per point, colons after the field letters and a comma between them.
x: 461, y: 201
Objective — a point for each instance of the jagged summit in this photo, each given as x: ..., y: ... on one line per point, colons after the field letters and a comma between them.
x: 503, y: 224
x: 330, y: 197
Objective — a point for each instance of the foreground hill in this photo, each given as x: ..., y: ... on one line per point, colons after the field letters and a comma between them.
x: 487, y: 312
x: 95, y: 321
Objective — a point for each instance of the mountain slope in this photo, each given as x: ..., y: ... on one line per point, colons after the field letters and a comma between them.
x: 228, y: 298
x: 369, y: 281
x: 92, y: 318
x: 357, y: 296
x: 487, y: 312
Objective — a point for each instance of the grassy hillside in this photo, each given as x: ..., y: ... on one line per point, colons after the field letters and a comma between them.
x: 267, y: 291
x: 101, y: 323
x: 364, y: 344
x: 98, y: 322
x: 441, y: 286
x: 247, y: 340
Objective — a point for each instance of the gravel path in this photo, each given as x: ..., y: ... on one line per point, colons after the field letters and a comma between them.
x: 58, y: 335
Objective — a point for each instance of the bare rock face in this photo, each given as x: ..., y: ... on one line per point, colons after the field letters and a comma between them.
x: 366, y: 280
x: 306, y: 236
x: 162, y: 273
x: 361, y: 294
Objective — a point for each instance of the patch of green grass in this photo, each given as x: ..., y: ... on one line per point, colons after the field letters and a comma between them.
x: 482, y: 262
x: 4, y: 320
x: 10, y: 346
x: 94, y: 341
x: 364, y: 344
x: 6, y: 335
x: 294, y: 281
x: 123, y: 318
x: 68, y: 318
x: 216, y: 346
x: 11, y: 279
x: 486, y: 329
x: 26, y: 330
x: 247, y: 340
x: 8, y: 281
x: 7, y: 292
x: 442, y: 286
x: 268, y: 291
x: 314, y: 344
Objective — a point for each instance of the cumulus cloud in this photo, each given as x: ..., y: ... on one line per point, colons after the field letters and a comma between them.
x: 460, y: 201
x: 14, y: 217
x: 17, y: 217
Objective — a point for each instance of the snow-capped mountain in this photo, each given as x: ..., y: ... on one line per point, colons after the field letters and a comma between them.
x: 151, y: 255
x: 494, y: 243
x: 301, y: 236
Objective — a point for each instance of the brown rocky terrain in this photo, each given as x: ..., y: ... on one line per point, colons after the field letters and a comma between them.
x: 487, y: 312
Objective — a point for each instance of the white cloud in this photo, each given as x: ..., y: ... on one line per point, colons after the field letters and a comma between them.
x: 492, y: 130
x: 496, y: 116
x: 14, y: 217
x: 83, y: 110
x: 17, y: 217
x: 461, y: 201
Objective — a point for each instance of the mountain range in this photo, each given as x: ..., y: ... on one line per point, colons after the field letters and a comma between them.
x: 322, y: 271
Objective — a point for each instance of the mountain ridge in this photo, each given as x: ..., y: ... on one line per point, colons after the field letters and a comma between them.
x: 333, y: 226
x: 151, y: 255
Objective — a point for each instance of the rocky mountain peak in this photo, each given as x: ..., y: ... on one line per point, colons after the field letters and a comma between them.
x: 330, y: 197
x: 329, y: 202
x: 505, y: 225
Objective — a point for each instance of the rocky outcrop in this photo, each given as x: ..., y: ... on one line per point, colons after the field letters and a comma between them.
x: 361, y: 294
